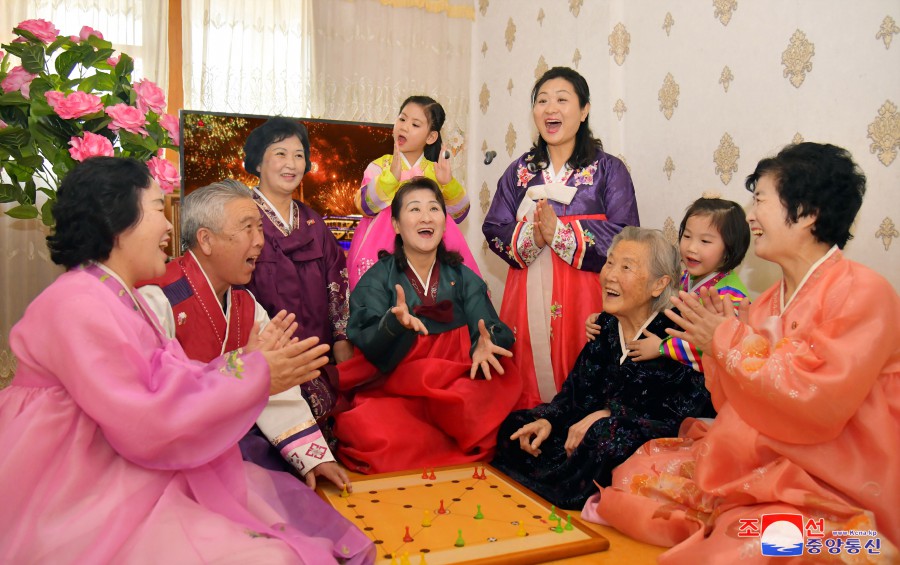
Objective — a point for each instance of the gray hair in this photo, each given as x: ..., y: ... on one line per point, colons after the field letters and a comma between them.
x: 205, y: 208
x: 664, y: 260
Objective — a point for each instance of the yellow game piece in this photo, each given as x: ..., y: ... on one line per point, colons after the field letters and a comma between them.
x: 344, y: 493
x: 393, y: 560
x: 426, y: 519
x: 405, y: 559
x: 521, y: 531
x: 422, y: 559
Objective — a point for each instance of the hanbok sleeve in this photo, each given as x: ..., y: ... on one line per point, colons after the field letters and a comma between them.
x: 336, y: 276
x: 378, y: 187
x: 583, y: 243
x: 477, y: 306
x: 156, y: 407
x: 805, y: 387
x: 456, y: 200
x: 682, y: 351
x: 373, y: 328
x: 510, y: 239
x: 288, y: 423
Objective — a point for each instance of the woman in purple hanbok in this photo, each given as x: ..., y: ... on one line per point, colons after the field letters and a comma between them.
x: 116, y: 447
x: 568, y: 195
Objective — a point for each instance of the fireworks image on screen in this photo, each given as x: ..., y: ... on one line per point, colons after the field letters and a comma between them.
x: 213, y: 149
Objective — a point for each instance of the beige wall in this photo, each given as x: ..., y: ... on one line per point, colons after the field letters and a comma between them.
x: 842, y: 71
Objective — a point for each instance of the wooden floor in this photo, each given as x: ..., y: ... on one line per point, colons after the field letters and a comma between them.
x: 621, y: 548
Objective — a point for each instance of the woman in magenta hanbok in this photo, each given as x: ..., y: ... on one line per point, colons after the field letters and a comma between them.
x: 116, y: 447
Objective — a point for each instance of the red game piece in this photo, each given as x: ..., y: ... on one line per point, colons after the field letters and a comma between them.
x: 441, y: 509
x: 424, y: 473
x: 407, y: 538
x: 431, y: 477
x: 475, y: 473
x: 483, y: 476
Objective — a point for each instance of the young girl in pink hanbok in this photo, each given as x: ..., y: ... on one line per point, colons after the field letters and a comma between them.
x: 418, y: 151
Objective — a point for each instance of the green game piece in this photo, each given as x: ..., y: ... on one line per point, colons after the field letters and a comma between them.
x: 553, y: 515
x: 558, y: 529
x: 569, y: 522
x: 459, y: 540
x: 479, y: 515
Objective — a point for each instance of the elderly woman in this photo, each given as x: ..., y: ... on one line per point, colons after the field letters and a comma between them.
x: 610, y: 404
x: 555, y: 212
x: 427, y: 329
x: 116, y: 447
x: 807, y: 386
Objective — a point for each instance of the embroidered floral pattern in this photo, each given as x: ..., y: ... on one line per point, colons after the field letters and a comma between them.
x: 589, y: 239
x: 564, y: 243
x: 182, y: 318
x: 556, y: 310
x: 528, y: 249
x: 339, y: 306
x: 234, y: 365
x: 586, y: 175
x: 524, y: 176
x: 502, y: 247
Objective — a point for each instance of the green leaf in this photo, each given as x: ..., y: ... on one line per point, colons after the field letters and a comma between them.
x: 16, y: 49
x: 39, y: 86
x: 14, y: 98
x: 47, y: 211
x: 100, y: 44
x: 125, y: 66
x: 60, y: 41
x: 23, y: 212
x: 33, y: 59
x: 14, y: 137
x: 33, y: 161
x: 100, y: 55
x: 10, y: 193
x: 66, y: 61
x: 30, y: 189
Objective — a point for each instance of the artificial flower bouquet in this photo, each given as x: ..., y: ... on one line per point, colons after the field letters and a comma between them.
x: 70, y: 98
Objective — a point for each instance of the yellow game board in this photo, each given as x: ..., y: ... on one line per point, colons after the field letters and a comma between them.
x: 515, y: 526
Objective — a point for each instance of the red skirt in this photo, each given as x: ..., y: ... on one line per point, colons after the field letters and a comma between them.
x: 427, y: 412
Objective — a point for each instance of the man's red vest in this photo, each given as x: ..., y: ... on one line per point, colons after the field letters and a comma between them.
x: 200, y: 324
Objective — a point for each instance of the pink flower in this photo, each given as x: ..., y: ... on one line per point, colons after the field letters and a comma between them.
x: 128, y: 118
x: 3, y: 124
x: 88, y: 31
x: 42, y: 29
x: 18, y: 79
x: 170, y: 124
x: 74, y: 38
x: 165, y: 174
x: 113, y: 60
x: 74, y: 105
x: 150, y: 96
x: 2, y: 54
x: 91, y: 145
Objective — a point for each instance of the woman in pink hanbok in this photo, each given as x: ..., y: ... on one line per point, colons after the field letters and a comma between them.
x: 418, y: 151
x: 803, y: 457
x: 116, y: 447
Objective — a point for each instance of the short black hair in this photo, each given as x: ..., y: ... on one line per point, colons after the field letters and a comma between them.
x: 444, y: 255
x: 586, y: 144
x: 815, y: 179
x: 730, y: 221
x: 99, y: 199
x: 273, y: 131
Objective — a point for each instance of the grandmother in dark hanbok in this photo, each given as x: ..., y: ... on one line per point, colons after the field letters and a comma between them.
x: 610, y: 404
x: 428, y: 333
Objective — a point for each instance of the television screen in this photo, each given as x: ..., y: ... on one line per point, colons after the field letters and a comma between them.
x: 212, y: 148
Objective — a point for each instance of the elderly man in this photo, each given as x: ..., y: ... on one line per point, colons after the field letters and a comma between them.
x: 200, y: 302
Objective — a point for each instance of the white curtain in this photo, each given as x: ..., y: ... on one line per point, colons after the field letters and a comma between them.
x: 136, y: 27
x: 247, y: 57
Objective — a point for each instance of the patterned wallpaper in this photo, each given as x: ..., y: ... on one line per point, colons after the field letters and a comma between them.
x: 692, y: 93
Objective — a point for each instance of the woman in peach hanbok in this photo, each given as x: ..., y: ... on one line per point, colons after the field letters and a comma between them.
x: 806, y: 383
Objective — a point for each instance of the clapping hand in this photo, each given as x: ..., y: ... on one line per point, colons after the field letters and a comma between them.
x: 442, y: 171
x: 485, y: 354
x: 277, y: 333
x: 699, y: 320
x: 545, y: 220
x: 401, y: 311
x: 397, y: 161
x: 296, y: 363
